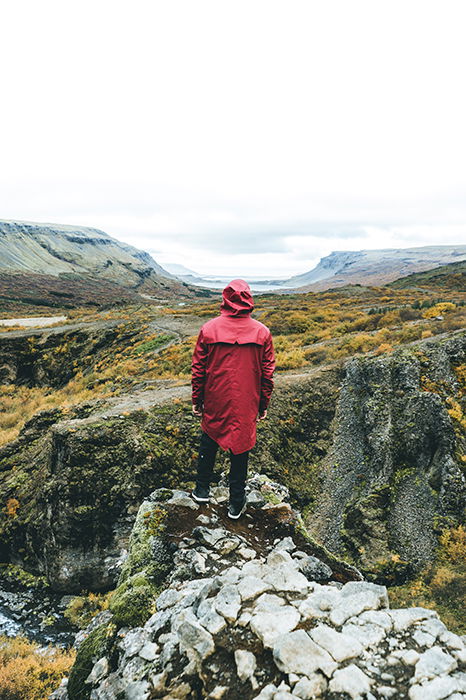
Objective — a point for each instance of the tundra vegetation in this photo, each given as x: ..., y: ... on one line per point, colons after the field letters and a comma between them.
x: 150, y: 346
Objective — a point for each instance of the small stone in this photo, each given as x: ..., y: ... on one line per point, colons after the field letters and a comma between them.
x: 404, y: 618
x: 244, y: 619
x: 277, y: 557
x: 220, y: 494
x: 149, y: 651
x: 338, y: 645
x: 452, y: 641
x: 386, y: 692
x: 437, y: 689
x: 181, y: 498
x: 285, y: 544
x: 313, y: 686
x: 99, y: 670
x: 228, y: 602
x: 158, y: 681
x: 167, y: 598
x: 296, y: 652
x: 269, y: 626
x: 218, y: 692
x: 245, y: 664
x: 247, y: 553
x: 314, y: 569
x: 137, y: 690
x: 267, y: 693
x: 193, y: 636
x: 409, y: 657
x: 285, y: 578
x: 367, y: 635
x: 424, y: 639
x: 255, y: 499
x: 132, y: 641
x: 350, y: 680
x: 358, y: 596
x: 319, y: 603
x: 268, y: 602
x: 434, y: 662
x: 213, y: 622
x: 203, y: 519
x: 251, y: 586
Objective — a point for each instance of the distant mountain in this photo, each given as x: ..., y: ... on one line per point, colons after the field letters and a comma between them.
x: 33, y: 253
x: 451, y: 276
x: 181, y: 271
x: 372, y: 267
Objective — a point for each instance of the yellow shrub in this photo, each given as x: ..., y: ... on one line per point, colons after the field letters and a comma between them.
x: 439, y: 309
x: 26, y: 674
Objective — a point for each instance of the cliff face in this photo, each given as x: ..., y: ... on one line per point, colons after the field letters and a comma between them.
x: 394, y: 474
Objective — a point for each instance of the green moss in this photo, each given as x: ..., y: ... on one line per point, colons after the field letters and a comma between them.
x: 99, y: 643
x: 13, y: 574
x: 133, y: 602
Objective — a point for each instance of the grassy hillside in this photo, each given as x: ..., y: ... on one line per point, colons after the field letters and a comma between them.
x: 451, y: 276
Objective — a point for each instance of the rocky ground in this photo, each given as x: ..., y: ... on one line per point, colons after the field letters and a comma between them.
x: 254, y: 609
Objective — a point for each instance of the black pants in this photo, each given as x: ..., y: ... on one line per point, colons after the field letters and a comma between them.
x: 238, y: 468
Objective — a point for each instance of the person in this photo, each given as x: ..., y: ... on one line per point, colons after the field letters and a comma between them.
x: 232, y: 381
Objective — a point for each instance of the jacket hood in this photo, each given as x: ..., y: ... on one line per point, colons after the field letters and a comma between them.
x: 237, y: 299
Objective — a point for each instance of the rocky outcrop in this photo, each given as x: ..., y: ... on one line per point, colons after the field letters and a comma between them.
x: 52, y: 356
x: 246, y: 609
x: 394, y: 474
x: 79, y: 476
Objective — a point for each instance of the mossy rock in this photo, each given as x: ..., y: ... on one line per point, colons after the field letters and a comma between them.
x: 99, y: 643
x: 134, y: 601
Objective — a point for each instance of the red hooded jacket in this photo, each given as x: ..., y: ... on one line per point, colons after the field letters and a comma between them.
x: 232, y: 371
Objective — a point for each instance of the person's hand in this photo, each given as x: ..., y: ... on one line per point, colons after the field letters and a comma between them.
x: 197, y: 410
x: 262, y: 415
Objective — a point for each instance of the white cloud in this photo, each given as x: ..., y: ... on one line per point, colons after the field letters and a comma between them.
x: 293, y: 128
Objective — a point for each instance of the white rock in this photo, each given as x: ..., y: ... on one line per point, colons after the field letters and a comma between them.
x: 244, y: 619
x: 285, y: 544
x: 228, y: 602
x: 251, y: 586
x: 313, y: 686
x: 424, y: 639
x: 137, y: 690
x: 247, y: 553
x: 99, y: 670
x: 453, y: 641
x: 434, y: 662
x: 460, y: 655
x: 286, y: 578
x: 296, y: 652
x: 213, y: 622
x: 356, y: 597
x: 404, y: 618
x: 245, y: 664
x: 367, y: 635
x: 433, y: 625
x: 437, y: 689
x: 269, y: 626
x: 149, y: 651
x: 376, y: 617
x: 409, y: 657
x: 350, y: 680
x: 167, y: 598
x: 278, y: 557
x: 268, y: 602
x: 340, y: 646
x: 267, y: 693
x: 193, y: 636
x: 319, y: 603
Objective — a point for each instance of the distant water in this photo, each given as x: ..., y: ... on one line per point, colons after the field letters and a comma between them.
x: 256, y: 285
x: 32, y: 321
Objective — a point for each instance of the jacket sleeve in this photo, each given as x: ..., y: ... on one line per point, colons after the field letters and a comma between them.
x: 198, y: 369
x: 268, y: 367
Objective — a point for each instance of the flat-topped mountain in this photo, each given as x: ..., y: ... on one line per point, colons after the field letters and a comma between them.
x: 36, y: 258
x: 372, y: 267
x: 53, y: 249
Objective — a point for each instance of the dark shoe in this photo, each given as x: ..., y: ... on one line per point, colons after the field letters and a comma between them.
x: 235, y: 510
x: 201, y: 493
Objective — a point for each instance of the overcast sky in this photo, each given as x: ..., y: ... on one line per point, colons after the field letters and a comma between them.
x: 247, y: 137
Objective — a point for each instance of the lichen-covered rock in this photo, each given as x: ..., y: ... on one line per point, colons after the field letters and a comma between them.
x: 394, y: 470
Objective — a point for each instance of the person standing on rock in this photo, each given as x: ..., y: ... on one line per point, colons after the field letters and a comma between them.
x: 232, y: 381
